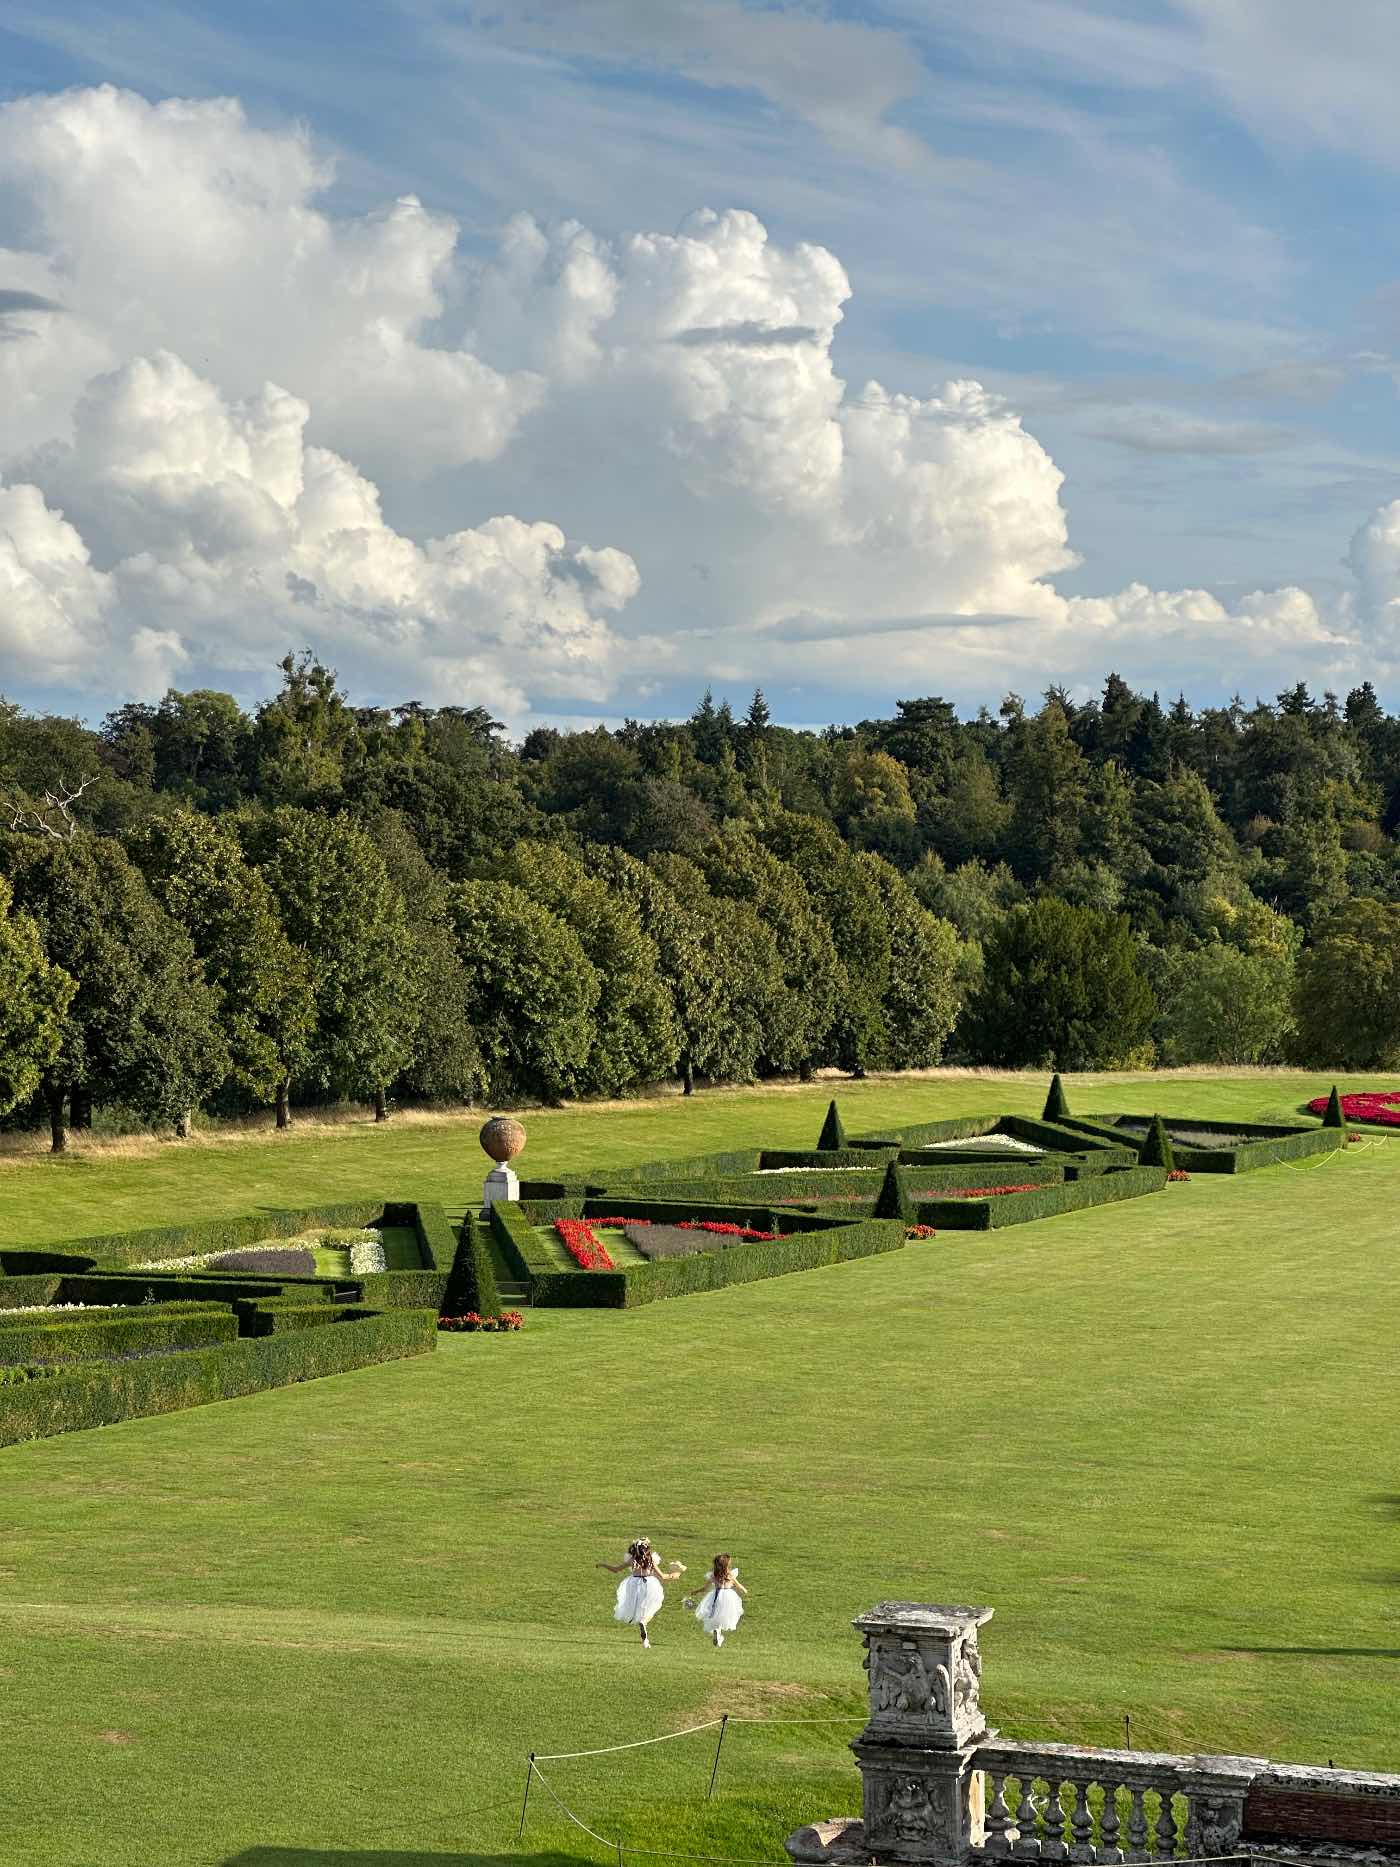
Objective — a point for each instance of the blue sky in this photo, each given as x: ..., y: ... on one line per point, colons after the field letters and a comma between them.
x: 1163, y: 234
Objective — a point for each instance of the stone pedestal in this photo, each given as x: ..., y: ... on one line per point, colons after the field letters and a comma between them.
x: 921, y: 1797
x: 501, y: 1183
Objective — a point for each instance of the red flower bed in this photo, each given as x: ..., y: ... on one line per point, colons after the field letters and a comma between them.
x: 920, y: 1231
x: 587, y: 1251
x: 1373, y: 1105
x: 504, y: 1324
x: 591, y: 1254
x: 725, y: 1230
x: 1178, y: 1173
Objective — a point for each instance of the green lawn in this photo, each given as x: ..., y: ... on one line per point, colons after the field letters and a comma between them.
x: 325, y: 1624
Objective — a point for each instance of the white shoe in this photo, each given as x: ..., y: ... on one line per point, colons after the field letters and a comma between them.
x: 719, y: 1639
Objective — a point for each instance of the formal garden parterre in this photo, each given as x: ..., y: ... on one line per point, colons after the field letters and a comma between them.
x: 118, y: 1324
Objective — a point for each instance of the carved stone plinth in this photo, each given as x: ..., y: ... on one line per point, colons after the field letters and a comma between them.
x: 919, y: 1804
x: 501, y: 1183
x: 925, y: 1674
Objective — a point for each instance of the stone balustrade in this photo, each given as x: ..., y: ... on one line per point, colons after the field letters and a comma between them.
x: 939, y: 1789
x: 1062, y: 1802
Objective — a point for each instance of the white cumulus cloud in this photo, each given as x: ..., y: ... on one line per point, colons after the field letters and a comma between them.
x: 215, y: 389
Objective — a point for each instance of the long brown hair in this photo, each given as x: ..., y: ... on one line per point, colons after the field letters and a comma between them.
x: 723, y: 1570
x: 642, y: 1554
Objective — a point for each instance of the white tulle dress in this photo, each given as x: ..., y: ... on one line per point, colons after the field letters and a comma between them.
x: 720, y: 1610
x: 639, y: 1596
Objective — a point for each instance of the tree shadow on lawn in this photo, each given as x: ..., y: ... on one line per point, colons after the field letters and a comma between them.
x: 393, y: 1857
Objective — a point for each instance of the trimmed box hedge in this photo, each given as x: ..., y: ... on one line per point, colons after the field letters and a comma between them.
x: 76, y: 1318
x: 1264, y: 1144
x: 114, y: 1251
x: 748, y: 1262
x: 103, y: 1396
x: 117, y: 1336
x: 1044, y: 1202
x: 276, y: 1319
x: 400, y: 1289
x: 811, y: 1240
x: 195, y: 1286
x: 21, y: 1292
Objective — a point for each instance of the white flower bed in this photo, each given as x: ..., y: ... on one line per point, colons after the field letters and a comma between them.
x: 874, y: 1163
x: 366, y: 1250
x: 30, y: 1309
x: 995, y: 1143
x: 367, y: 1255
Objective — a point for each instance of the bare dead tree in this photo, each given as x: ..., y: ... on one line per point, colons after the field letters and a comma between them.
x: 54, y: 817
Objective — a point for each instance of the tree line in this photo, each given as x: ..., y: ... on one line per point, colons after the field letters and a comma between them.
x: 206, y: 907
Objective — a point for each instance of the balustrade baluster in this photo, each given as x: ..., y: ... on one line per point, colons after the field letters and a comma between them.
x: 1027, y: 1822
x: 1137, y: 1825
x: 1055, y: 1845
x: 1082, y: 1824
x: 998, y: 1817
x: 1166, y: 1828
x: 1109, y: 1849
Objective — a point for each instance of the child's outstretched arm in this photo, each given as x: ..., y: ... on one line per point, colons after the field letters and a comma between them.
x: 613, y: 1568
x: 672, y: 1575
x: 741, y: 1589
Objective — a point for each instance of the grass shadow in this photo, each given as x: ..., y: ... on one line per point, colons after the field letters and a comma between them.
x: 395, y: 1857
x: 1347, y: 1653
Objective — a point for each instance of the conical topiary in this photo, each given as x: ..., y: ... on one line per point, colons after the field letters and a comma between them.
x: 1156, y: 1149
x: 1334, y: 1117
x: 1056, y: 1108
x: 833, y: 1135
x: 894, y: 1202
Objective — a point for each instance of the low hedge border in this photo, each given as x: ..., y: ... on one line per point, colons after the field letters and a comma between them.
x: 951, y: 1128
x: 195, y: 1286
x: 747, y: 1263
x: 402, y: 1289
x: 1266, y: 1144
x: 117, y: 1336
x: 1044, y: 1202
x: 103, y: 1396
x: 435, y: 1232
x: 116, y: 1251
x: 21, y: 1292
x: 811, y: 1240
x: 262, y: 1320
x: 795, y: 1160
x: 79, y: 1318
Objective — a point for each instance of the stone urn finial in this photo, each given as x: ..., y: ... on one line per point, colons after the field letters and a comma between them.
x: 502, y: 1138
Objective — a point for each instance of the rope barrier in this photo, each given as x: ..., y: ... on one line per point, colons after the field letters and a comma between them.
x: 606, y: 1750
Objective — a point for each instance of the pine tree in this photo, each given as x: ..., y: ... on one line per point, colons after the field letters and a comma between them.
x: 1334, y: 1118
x: 894, y: 1202
x: 758, y: 716
x: 833, y: 1134
x: 1056, y: 1107
x: 1156, y: 1149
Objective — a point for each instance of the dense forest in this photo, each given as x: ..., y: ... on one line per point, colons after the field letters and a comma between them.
x: 203, y: 908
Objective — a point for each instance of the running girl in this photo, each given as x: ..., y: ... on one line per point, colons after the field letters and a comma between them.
x: 640, y: 1597
x: 720, y: 1608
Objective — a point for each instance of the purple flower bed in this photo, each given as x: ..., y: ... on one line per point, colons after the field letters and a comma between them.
x: 296, y: 1262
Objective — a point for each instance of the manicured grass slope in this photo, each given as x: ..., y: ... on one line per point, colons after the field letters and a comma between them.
x: 327, y: 1622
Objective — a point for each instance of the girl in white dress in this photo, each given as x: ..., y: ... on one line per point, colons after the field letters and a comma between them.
x: 641, y: 1595
x: 720, y: 1609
